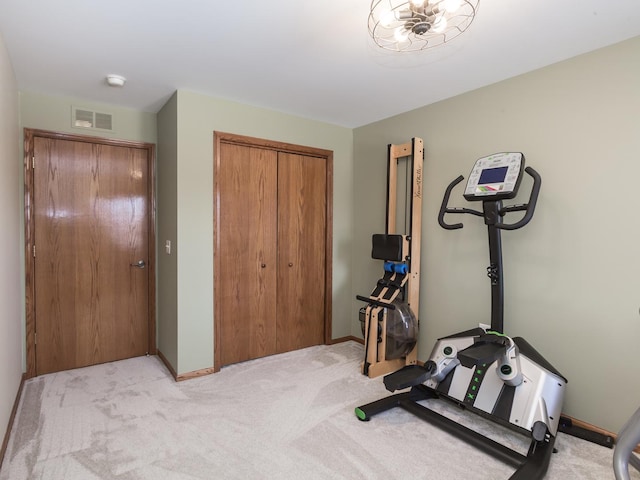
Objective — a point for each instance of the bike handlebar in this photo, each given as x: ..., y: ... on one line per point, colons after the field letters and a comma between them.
x: 528, y: 207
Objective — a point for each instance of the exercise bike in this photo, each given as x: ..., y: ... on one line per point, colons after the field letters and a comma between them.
x: 501, y: 378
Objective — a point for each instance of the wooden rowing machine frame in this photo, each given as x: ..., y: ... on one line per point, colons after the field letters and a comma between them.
x: 379, y: 302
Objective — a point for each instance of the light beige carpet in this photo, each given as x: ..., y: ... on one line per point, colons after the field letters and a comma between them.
x: 287, y: 416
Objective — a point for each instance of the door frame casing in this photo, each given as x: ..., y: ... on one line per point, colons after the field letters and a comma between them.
x: 29, y: 229
x: 327, y: 155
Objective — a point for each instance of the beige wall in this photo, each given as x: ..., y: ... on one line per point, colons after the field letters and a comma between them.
x: 11, y: 290
x: 183, y: 130
x: 167, y: 220
x: 47, y: 112
x: 571, y: 282
x: 198, y: 117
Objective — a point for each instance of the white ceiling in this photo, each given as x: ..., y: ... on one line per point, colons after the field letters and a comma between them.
x: 311, y: 59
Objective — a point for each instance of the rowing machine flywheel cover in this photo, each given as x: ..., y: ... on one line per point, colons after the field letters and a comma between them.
x: 402, y: 331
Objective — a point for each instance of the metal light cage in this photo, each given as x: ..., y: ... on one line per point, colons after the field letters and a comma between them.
x: 409, y: 26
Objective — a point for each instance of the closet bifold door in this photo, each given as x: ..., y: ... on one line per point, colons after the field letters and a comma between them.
x: 301, y: 251
x: 248, y: 259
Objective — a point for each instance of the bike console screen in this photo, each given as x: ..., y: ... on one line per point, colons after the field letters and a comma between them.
x: 495, y: 177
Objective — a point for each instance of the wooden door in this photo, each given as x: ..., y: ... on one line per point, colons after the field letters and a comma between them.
x: 272, y: 247
x: 246, y: 277
x: 91, y: 229
x: 301, y: 251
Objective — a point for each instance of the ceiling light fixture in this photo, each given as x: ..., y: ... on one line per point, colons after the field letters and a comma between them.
x: 409, y: 26
x: 116, y: 80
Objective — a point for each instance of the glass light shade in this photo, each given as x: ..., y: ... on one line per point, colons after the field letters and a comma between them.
x: 440, y: 24
x: 452, y: 6
x: 406, y: 26
x: 400, y: 35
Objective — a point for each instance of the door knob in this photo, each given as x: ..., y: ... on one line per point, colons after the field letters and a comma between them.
x: 290, y: 264
x: 139, y: 264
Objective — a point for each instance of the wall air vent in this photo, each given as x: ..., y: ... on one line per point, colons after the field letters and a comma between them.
x: 88, y: 119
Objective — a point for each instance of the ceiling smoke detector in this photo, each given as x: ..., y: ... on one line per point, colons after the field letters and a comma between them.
x: 116, y: 80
